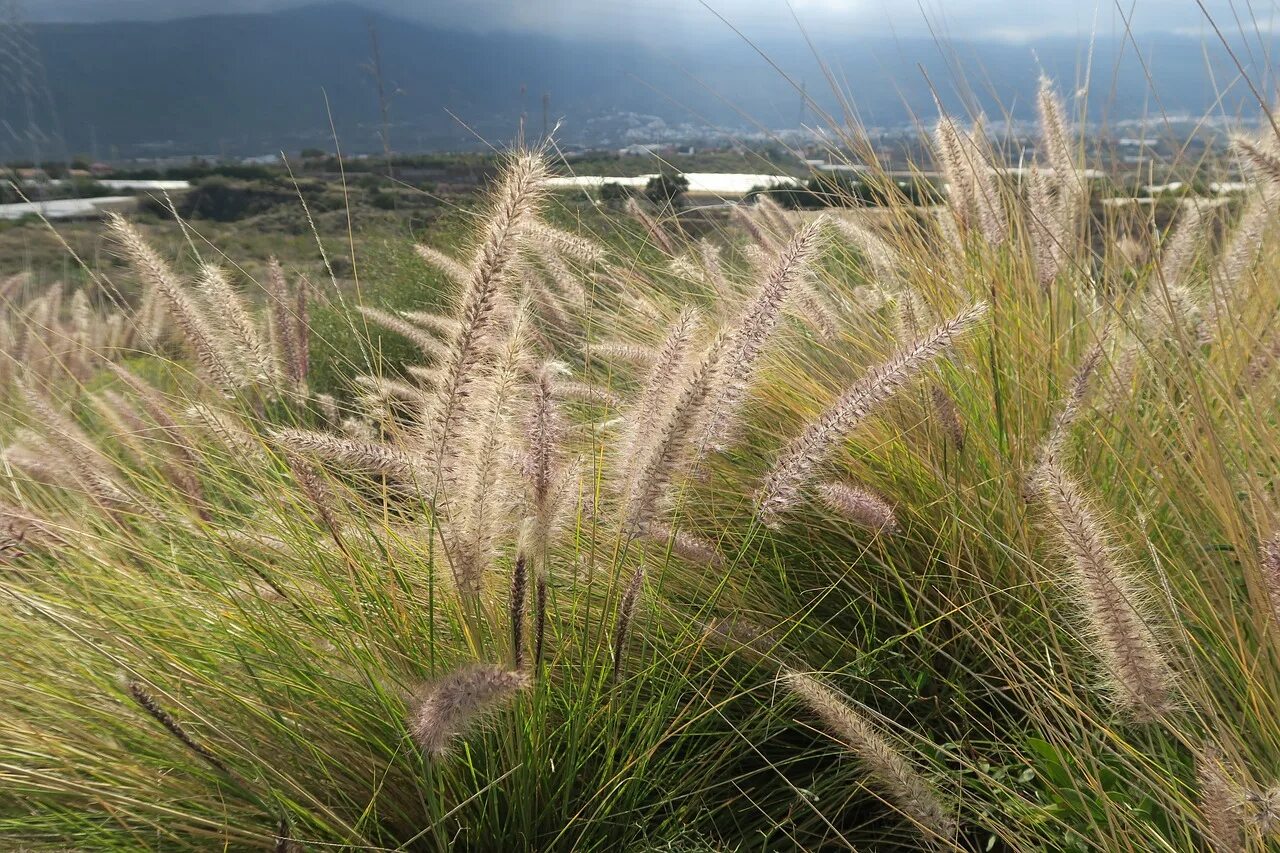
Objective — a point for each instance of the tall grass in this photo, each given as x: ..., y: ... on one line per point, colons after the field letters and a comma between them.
x: 661, y: 534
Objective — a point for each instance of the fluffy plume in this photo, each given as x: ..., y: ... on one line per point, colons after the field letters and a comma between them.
x: 347, y: 453
x: 543, y: 467
x: 78, y: 452
x: 159, y: 278
x: 814, y: 310
x: 761, y: 238
x: 515, y: 204
x: 1054, y: 136
x: 226, y: 305
x: 670, y: 445
x: 626, y: 615
x: 1049, y: 228
x: 1219, y: 802
x: 228, y: 429
x: 427, y: 343
x: 948, y: 415
x: 859, y: 505
x: 658, y: 386
x: 437, y: 324
x: 885, y: 261
x: 641, y: 356
x: 957, y: 170
x: 657, y: 234
x: 1240, y: 254
x: 566, y: 281
x: 1269, y: 563
x: 302, y: 334
x: 749, y: 334
x: 713, y: 270
x: 578, y: 248
x: 795, y: 467
x: 993, y: 219
x: 907, y: 789
x: 1264, y: 811
x: 1139, y: 678
x: 479, y: 501
x: 456, y: 271
x: 1179, y: 249
x: 685, y: 545
x: 583, y: 392
x: 1262, y: 161
x: 447, y: 708
x: 1072, y: 404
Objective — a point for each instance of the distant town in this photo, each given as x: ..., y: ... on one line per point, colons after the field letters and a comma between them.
x: 1141, y: 158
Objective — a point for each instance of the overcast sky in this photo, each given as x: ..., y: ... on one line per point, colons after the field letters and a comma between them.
x: 1006, y: 19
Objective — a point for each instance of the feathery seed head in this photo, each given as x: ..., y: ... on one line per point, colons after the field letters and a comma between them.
x: 448, y: 707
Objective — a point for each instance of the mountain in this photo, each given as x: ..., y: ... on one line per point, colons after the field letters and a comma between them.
x: 258, y: 83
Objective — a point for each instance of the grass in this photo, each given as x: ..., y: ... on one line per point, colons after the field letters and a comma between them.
x: 224, y: 629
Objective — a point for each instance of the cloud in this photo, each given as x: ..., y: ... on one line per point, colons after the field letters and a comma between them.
x: 688, y: 21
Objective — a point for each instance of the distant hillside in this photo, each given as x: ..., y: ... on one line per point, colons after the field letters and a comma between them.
x: 252, y: 84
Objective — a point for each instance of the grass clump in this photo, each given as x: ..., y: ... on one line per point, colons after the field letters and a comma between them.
x: 618, y: 499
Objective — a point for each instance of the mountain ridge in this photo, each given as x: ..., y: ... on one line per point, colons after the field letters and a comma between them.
x: 256, y: 83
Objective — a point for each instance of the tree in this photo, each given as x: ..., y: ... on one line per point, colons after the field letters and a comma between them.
x: 667, y: 189
x: 612, y: 192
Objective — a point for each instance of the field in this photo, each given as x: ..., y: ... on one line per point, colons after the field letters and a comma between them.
x: 503, y: 520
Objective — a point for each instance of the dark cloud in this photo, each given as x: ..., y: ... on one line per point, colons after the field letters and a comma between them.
x: 689, y: 20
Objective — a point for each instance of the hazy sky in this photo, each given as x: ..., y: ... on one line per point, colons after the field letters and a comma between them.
x: 1008, y: 19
